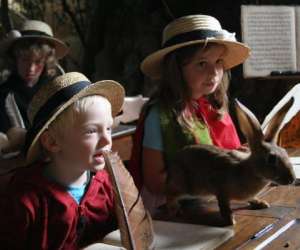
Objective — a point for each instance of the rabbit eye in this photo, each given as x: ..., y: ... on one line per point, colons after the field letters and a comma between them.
x: 271, y: 159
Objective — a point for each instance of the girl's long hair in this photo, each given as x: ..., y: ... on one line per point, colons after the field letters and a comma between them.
x: 173, y: 92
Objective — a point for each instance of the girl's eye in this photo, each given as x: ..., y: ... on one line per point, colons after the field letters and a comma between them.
x: 220, y: 61
x: 201, y: 64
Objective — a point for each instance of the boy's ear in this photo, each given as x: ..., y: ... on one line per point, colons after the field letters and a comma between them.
x: 49, y: 142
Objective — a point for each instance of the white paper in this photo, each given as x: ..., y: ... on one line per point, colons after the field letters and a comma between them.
x: 296, y: 166
x: 295, y: 160
x: 182, y: 236
x: 297, y: 25
x: 270, y: 33
x: 102, y: 246
x: 132, y: 108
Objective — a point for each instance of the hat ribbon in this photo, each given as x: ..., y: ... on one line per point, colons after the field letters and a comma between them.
x: 34, y: 33
x: 46, y: 111
x: 192, y: 36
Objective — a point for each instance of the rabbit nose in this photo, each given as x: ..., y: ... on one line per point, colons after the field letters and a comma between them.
x: 286, y: 179
x: 293, y: 176
x: 291, y: 179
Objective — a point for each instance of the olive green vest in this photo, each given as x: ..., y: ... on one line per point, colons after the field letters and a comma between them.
x: 175, y: 137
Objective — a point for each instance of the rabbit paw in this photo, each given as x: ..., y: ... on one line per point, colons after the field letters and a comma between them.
x: 258, y: 204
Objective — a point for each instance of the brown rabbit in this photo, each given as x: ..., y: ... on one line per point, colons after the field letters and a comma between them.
x: 231, y: 174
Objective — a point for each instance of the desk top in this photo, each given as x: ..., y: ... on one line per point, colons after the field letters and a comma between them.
x: 272, y: 228
x: 123, y: 130
x: 276, y: 227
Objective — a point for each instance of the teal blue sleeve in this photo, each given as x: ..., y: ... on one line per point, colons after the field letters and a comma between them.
x: 152, y: 131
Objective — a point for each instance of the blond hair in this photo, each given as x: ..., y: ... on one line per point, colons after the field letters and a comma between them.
x: 68, y: 117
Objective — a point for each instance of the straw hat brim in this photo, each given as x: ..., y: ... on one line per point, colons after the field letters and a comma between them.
x: 109, y: 89
x: 236, y: 53
x: 61, y: 49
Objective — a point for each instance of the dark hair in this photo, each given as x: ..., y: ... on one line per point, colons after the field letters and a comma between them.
x: 173, y: 91
x: 37, y: 47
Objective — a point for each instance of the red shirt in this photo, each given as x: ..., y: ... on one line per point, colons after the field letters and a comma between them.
x: 222, y: 131
x: 39, y: 214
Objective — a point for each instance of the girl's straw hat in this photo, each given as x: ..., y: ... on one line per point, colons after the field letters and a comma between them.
x: 37, y: 30
x: 54, y: 97
x: 194, y: 29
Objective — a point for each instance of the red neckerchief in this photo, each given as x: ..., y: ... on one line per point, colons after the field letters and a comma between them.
x: 222, y: 132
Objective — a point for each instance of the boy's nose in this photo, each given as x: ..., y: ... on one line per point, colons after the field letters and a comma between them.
x: 105, y: 139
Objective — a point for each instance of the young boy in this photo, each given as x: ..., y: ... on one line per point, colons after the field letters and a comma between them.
x: 64, y: 199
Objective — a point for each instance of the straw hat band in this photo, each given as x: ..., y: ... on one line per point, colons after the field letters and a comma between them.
x: 183, y: 28
x: 190, y: 23
x: 52, y: 99
x: 190, y: 30
x: 47, y: 110
x: 58, y: 99
x: 34, y: 33
x: 192, y: 36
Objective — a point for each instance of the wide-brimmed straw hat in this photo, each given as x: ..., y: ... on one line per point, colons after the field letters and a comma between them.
x: 194, y: 29
x: 54, y: 97
x: 36, y: 30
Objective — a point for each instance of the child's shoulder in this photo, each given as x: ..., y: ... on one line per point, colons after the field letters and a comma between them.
x: 23, y: 189
x: 27, y: 178
x: 23, y: 173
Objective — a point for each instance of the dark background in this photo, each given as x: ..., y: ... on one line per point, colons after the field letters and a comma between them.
x: 109, y: 39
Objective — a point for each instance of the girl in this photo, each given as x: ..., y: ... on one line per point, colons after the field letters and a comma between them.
x: 190, y: 105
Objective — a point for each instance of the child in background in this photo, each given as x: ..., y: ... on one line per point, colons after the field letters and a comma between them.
x: 33, y: 52
x: 191, y: 103
x: 64, y: 199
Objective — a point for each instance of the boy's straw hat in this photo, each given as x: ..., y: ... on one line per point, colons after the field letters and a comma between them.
x: 37, y: 30
x: 194, y: 29
x: 54, y: 97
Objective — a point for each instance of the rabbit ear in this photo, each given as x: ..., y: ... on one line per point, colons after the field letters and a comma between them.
x: 249, y: 124
x: 274, y: 125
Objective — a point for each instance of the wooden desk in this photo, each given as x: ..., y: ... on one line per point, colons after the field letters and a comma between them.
x: 122, y: 140
x: 285, y: 209
x: 285, y: 204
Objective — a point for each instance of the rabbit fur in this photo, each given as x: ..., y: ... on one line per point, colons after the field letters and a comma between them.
x: 230, y: 174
